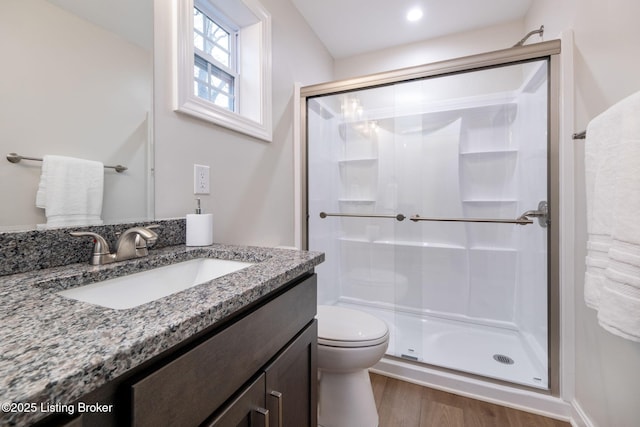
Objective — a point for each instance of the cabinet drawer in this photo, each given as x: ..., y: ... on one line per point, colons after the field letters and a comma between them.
x: 190, y: 388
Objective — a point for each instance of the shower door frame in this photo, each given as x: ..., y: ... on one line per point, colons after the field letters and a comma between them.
x: 550, y: 51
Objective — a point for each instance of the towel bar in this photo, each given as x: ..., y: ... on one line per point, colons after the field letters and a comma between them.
x: 15, y: 158
x: 522, y: 220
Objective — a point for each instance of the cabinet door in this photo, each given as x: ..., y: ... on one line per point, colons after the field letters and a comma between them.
x: 247, y: 410
x: 292, y: 383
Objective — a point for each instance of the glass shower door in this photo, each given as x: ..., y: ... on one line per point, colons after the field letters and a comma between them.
x: 429, y: 200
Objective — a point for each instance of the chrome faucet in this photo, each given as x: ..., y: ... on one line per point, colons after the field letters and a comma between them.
x: 133, y: 243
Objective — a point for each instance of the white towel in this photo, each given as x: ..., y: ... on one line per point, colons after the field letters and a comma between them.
x: 70, y: 191
x: 612, y: 160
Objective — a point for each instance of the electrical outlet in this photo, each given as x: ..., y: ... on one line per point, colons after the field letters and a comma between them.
x: 200, y: 179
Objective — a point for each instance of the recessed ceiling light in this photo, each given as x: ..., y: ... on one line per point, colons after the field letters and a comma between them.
x: 414, y: 14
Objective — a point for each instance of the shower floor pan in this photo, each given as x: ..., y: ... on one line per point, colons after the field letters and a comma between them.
x: 477, y: 349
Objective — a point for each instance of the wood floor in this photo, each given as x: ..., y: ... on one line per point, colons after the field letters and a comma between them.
x: 402, y: 404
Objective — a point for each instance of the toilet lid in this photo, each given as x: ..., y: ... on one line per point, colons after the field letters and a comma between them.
x: 344, y: 327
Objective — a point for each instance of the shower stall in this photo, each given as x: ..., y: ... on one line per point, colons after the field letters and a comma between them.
x: 433, y: 192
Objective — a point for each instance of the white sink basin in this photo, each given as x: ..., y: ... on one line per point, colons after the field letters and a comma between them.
x: 139, y: 288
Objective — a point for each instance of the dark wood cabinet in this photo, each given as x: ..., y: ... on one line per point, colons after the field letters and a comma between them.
x: 74, y: 422
x: 247, y: 410
x: 284, y: 393
x: 255, y: 368
x: 292, y: 383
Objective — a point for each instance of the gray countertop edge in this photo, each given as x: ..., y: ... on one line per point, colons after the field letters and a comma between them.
x: 56, y: 350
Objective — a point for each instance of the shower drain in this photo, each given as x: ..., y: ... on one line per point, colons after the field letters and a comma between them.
x: 503, y: 359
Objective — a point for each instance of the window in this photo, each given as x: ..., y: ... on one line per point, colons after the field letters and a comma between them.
x: 223, y: 64
x: 215, y: 67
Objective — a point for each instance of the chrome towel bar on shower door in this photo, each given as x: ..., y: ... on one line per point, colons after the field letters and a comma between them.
x: 520, y: 221
x: 542, y: 213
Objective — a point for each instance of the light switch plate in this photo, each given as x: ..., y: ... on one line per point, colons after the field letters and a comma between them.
x: 200, y: 179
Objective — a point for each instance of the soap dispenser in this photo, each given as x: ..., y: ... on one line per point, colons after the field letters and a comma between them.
x: 199, y: 227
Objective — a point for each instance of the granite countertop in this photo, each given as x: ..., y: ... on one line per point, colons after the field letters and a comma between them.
x: 55, y: 350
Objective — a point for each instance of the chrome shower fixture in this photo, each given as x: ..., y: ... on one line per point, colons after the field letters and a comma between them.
x: 529, y: 34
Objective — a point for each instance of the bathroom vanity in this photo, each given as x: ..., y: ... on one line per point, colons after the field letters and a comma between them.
x: 261, y: 364
x: 237, y: 350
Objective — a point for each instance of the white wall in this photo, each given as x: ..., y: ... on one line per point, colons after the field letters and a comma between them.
x: 251, y: 181
x: 607, y: 69
x: 454, y: 46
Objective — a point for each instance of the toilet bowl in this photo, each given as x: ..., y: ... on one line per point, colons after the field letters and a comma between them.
x: 349, y: 342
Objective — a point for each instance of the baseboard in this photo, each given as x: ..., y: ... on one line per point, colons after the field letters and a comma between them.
x: 578, y: 417
x: 512, y: 397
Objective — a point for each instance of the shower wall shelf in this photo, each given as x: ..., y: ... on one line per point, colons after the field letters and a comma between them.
x: 354, y: 240
x: 423, y: 245
x: 506, y: 151
x: 505, y: 201
x: 492, y: 249
x: 404, y: 243
x: 357, y: 201
x: 361, y: 160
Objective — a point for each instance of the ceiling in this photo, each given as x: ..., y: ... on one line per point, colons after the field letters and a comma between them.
x: 351, y: 27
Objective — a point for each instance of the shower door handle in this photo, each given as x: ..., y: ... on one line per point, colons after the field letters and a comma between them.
x: 542, y: 213
x: 398, y: 217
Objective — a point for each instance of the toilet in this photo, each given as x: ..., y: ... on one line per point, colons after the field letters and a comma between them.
x: 349, y: 343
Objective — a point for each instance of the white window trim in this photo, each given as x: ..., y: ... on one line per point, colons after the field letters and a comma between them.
x: 259, y: 124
